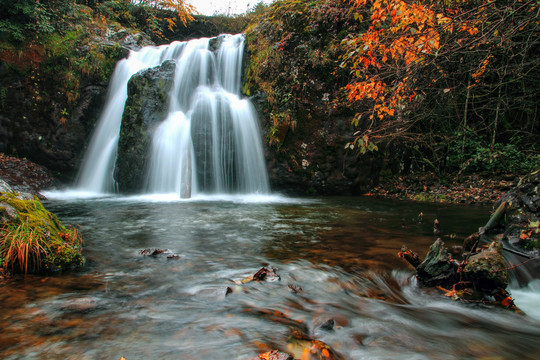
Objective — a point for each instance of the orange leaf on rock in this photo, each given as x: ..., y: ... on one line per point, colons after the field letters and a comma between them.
x: 274, y: 355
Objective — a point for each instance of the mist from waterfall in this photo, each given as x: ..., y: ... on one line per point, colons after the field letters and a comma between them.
x: 209, y: 142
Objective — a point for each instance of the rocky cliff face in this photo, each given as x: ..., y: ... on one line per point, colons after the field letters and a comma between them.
x: 44, y: 137
x: 296, y: 81
x: 36, y: 118
x: 312, y: 159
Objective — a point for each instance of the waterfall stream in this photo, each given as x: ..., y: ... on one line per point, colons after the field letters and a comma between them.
x: 210, y: 140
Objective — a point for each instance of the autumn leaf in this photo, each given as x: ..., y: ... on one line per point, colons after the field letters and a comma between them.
x: 507, y: 302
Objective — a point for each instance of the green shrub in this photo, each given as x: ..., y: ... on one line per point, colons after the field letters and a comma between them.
x: 470, y: 153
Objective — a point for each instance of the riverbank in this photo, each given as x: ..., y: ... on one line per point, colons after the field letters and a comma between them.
x: 25, y: 176
x: 428, y: 187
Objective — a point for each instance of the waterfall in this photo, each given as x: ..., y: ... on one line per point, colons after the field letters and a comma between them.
x: 210, y: 140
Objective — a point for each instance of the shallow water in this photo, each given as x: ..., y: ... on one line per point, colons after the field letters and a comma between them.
x: 336, y: 258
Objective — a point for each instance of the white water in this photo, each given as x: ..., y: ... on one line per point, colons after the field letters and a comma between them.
x: 210, y: 140
x: 528, y: 299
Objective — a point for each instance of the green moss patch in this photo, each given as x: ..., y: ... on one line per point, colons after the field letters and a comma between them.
x: 35, y: 240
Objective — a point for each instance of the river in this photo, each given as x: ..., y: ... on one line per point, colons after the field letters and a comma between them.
x: 336, y: 258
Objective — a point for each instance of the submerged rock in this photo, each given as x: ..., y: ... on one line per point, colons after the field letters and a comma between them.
x: 154, y: 252
x: 80, y: 305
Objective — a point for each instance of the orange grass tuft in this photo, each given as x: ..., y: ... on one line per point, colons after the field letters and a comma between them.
x: 22, y: 247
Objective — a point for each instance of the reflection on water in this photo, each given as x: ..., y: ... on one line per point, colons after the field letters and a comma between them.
x: 336, y: 258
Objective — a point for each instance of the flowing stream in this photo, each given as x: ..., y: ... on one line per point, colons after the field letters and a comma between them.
x: 336, y: 258
x: 340, y: 282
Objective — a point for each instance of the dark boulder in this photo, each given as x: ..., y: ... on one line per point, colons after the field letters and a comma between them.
x: 146, y: 107
x: 487, y: 269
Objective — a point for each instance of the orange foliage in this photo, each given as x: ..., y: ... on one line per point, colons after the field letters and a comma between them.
x: 401, y: 38
x: 30, y: 55
x: 182, y: 9
x: 316, y: 350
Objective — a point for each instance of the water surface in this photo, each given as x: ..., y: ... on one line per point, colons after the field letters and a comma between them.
x: 336, y: 258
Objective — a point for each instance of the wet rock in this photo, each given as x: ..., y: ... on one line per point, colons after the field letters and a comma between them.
x: 328, y: 325
x: 25, y: 196
x: 410, y: 256
x: 145, y: 108
x: 437, y: 269
x: 7, y: 212
x: 155, y: 252
x: 436, y: 227
x: 487, y: 269
x: 520, y: 228
x: 264, y: 274
x: 215, y: 43
x: 274, y: 355
x: 168, y: 254
x: 85, y: 115
x: 482, y: 277
x: 59, y: 247
x: 128, y: 40
x: 471, y: 242
x: 4, y: 187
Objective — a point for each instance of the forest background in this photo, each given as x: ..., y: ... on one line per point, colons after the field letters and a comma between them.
x: 448, y: 87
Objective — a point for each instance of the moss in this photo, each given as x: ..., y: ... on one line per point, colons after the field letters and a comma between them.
x: 35, y: 240
x: 294, y: 59
x: 487, y: 270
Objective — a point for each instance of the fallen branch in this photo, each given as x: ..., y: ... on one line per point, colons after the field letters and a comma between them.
x: 495, y: 218
x: 516, y: 266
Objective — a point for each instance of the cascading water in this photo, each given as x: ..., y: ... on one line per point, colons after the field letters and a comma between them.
x: 210, y: 140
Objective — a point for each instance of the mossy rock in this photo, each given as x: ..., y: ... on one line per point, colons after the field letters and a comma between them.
x: 35, y: 240
x: 487, y: 270
x: 146, y: 107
